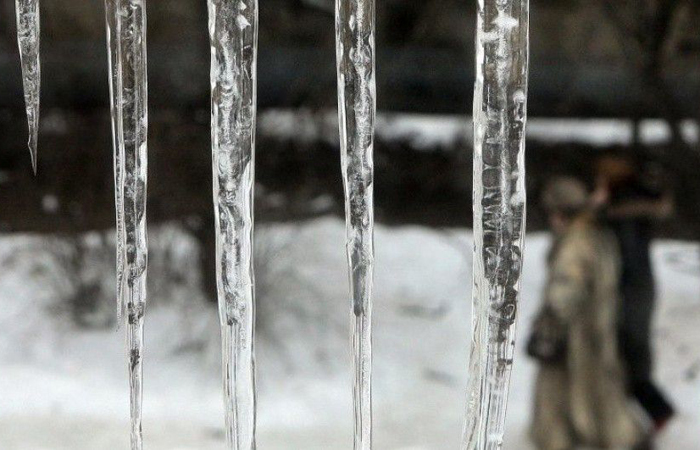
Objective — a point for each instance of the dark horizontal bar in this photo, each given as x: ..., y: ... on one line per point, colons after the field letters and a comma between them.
x: 411, y: 79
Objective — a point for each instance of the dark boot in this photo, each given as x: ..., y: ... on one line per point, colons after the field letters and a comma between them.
x: 654, y: 403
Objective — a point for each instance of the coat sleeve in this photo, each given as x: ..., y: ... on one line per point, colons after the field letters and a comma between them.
x: 568, y: 285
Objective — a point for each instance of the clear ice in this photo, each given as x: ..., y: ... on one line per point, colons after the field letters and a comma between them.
x: 111, y: 27
x: 233, y: 37
x: 28, y: 38
x: 126, y: 35
x: 499, y: 213
x: 356, y: 113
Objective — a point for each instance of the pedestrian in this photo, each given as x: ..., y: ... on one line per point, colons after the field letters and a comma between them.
x: 630, y: 198
x: 580, y: 397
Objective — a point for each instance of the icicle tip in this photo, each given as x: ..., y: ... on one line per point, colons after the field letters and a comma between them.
x: 33, y: 155
x: 33, y: 142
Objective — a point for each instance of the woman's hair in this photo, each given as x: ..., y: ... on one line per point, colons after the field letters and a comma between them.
x: 617, y: 168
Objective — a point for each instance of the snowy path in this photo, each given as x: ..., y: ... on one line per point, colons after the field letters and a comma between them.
x: 67, y: 389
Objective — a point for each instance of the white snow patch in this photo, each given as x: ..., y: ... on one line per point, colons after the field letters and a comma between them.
x: 66, y: 388
x: 430, y: 132
x: 50, y: 204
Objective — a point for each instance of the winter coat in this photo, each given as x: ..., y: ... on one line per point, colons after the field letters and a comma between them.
x: 582, y: 400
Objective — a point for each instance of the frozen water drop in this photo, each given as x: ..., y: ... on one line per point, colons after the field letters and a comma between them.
x: 50, y: 204
x: 499, y: 213
x: 242, y: 22
x: 232, y: 35
x: 356, y: 111
x: 519, y: 96
x: 28, y: 39
x: 126, y: 44
x: 505, y: 21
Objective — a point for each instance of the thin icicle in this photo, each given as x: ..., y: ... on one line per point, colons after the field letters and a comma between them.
x: 233, y: 36
x: 499, y: 212
x: 126, y: 20
x: 28, y: 38
x: 356, y: 113
x: 118, y: 150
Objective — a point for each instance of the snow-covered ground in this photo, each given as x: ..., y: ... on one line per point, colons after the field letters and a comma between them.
x: 62, y: 387
x: 423, y: 131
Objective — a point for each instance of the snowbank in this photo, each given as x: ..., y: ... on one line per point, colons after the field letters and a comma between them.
x: 66, y: 388
x: 429, y: 132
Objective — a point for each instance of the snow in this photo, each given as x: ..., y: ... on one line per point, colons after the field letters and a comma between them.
x: 428, y: 132
x: 67, y: 388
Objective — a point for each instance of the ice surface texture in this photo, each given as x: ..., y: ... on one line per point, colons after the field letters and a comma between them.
x: 126, y: 36
x: 118, y: 150
x: 499, y: 212
x: 356, y: 113
x: 28, y: 38
x: 233, y: 37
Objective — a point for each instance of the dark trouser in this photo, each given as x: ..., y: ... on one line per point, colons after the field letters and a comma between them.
x: 636, y: 315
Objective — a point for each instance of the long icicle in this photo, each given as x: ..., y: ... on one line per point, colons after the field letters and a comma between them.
x: 118, y: 150
x: 233, y: 26
x: 356, y: 112
x: 28, y: 38
x: 499, y: 212
x: 128, y: 68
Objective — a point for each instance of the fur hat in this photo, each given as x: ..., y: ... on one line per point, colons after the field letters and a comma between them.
x: 565, y: 194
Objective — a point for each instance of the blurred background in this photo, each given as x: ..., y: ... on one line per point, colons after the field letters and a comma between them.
x: 605, y: 76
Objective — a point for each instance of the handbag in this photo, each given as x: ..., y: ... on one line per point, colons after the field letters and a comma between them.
x: 548, y: 338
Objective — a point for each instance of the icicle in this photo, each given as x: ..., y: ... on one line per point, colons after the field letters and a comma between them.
x: 499, y: 212
x: 126, y: 34
x: 28, y: 38
x: 118, y: 150
x: 356, y: 112
x: 233, y: 28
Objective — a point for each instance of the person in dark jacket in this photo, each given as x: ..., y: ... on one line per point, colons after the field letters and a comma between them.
x: 631, y: 198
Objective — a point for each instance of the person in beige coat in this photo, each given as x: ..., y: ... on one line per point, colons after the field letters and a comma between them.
x: 580, y: 397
